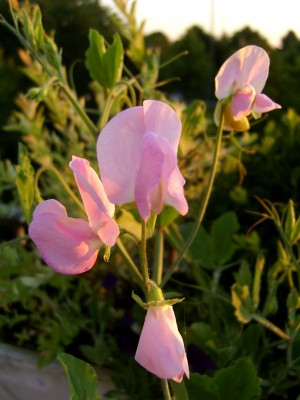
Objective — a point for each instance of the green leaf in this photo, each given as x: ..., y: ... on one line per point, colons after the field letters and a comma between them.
x: 81, y: 376
x: 25, y: 182
x: 128, y: 223
x: 222, y: 230
x: 179, y: 390
x: 239, y: 382
x: 295, y: 234
x: 201, y: 387
x: 151, y: 223
x: 104, y: 64
x: 289, y: 220
x: 259, y: 266
x: 167, y: 216
x: 204, y: 337
x: 243, y: 276
x: 242, y: 302
x: 202, y: 249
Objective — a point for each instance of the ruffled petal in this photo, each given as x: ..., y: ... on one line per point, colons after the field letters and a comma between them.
x: 174, y: 192
x: 254, y: 68
x: 162, y: 120
x: 119, y: 154
x: 227, y: 77
x: 67, y: 245
x: 149, y: 192
x: 98, y: 208
x: 161, y: 349
x: 263, y: 103
x: 249, y: 65
x: 159, y: 180
x: 242, y: 102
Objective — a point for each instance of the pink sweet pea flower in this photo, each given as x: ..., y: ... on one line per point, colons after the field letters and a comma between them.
x: 71, y: 245
x: 241, y: 80
x: 137, y: 156
x: 161, y: 349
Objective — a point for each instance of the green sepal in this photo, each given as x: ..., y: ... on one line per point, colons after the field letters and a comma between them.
x: 144, y: 305
x: 106, y: 255
x: 151, y: 223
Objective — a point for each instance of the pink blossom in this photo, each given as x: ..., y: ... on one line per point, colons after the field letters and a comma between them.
x: 161, y: 348
x: 137, y: 155
x: 241, y: 80
x: 71, y: 245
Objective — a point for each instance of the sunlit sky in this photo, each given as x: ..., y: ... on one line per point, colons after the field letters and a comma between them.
x: 272, y: 18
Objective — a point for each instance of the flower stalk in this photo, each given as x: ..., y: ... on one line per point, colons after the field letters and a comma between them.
x: 203, y: 205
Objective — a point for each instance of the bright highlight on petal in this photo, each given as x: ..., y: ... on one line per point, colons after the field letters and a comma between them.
x: 98, y: 208
x: 161, y: 349
x: 137, y: 156
x: 71, y: 245
x: 240, y: 81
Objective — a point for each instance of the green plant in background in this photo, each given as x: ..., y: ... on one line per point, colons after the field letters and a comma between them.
x: 241, y: 300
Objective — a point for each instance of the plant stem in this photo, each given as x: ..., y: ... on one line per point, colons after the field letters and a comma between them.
x: 269, y: 325
x: 130, y: 263
x: 62, y: 181
x: 158, y: 256
x: 203, y: 205
x: 166, y: 389
x: 13, y: 241
x: 143, y: 257
x: 89, y: 124
x: 15, y: 30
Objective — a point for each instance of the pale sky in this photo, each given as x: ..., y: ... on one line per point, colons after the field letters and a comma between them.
x: 272, y: 18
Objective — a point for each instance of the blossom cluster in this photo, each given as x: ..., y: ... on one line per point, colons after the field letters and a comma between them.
x: 137, y: 158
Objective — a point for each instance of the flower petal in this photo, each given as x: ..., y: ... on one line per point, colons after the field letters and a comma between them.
x: 159, y: 180
x: 226, y: 79
x: 67, y: 245
x: 174, y: 193
x: 98, y: 208
x: 161, y: 349
x: 249, y: 65
x: 263, y: 103
x: 241, y: 102
x: 255, y: 67
x: 149, y: 176
x: 119, y: 154
x: 229, y: 123
x: 162, y: 120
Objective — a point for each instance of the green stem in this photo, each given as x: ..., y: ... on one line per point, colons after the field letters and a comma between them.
x: 62, y: 181
x: 13, y: 241
x: 15, y: 30
x: 112, y: 95
x: 89, y: 124
x: 203, y: 206
x: 166, y: 389
x: 143, y: 257
x: 158, y: 256
x: 106, y: 110
x: 269, y: 325
x: 130, y: 264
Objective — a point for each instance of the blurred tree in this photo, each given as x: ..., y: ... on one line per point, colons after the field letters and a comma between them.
x: 284, y: 82
x: 195, y: 70
x: 71, y: 20
x: 228, y: 45
x: 157, y: 40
